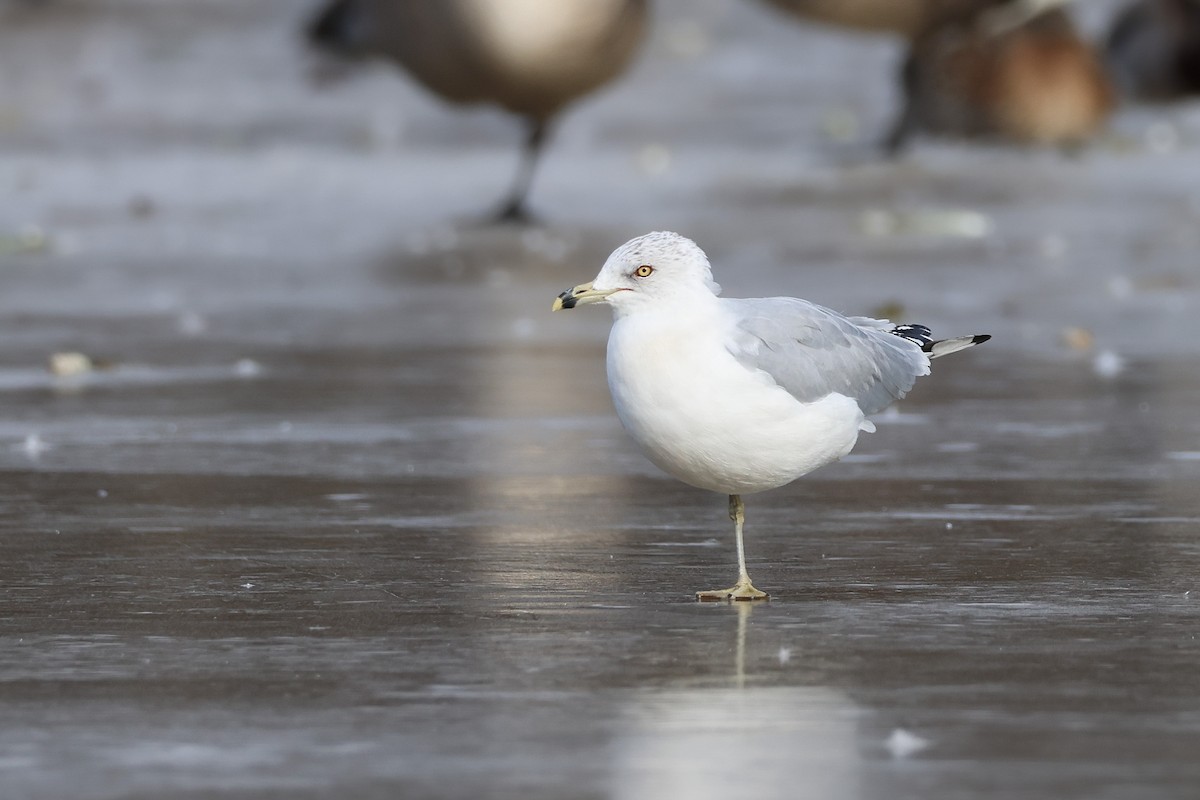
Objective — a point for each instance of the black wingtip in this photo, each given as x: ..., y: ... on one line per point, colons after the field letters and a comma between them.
x: 980, y: 338
x: 920, y: 335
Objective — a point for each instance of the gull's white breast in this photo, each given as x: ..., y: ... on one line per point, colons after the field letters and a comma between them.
x: 703, y: 417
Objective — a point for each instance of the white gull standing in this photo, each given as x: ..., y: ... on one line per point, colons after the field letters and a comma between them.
x: 741, y: 396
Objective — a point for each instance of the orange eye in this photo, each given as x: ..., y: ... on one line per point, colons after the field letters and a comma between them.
x: 644, y: 271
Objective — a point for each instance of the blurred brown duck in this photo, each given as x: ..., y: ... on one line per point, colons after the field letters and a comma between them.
x: 903, y: 17
x: 530, y: 57
x: 1016, y: 71
x: 1153, y: 50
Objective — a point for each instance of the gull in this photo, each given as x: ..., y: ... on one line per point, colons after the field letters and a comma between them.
x: 530, y: 57
x: 738, y: 396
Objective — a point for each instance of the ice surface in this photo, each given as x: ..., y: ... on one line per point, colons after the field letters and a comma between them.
x: 370, y: 527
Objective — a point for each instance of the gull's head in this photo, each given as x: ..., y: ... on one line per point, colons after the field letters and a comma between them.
x: 658, y: 268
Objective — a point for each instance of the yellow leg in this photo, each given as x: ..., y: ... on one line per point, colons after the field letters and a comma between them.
x: 744, y: 590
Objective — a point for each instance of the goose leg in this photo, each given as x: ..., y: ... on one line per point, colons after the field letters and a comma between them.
x: 515, y: 208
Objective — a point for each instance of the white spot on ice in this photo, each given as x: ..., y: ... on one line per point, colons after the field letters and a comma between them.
x: 957, y: 447
x: 902, y: 744
x: 247, y: 368
x: 1108, y: 364
x: 70, y: 364
x: 33, y: 446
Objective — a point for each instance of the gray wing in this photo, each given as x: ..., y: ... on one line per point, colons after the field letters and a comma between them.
x: 812, y: 351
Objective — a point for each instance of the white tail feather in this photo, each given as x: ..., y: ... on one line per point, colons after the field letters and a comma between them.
x: 947, y: 346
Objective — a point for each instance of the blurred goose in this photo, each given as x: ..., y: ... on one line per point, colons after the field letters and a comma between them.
x: 1153, y: 49
x: 1016, y: 70
x: 530, y: 57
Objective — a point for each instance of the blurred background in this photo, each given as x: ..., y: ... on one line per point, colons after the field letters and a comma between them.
x: 202, y: 160
x: 304, y: 487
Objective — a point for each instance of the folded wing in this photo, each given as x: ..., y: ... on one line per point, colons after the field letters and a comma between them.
x: 812, y: 351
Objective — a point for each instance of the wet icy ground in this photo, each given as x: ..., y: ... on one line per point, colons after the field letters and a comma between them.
x: 345, y: 511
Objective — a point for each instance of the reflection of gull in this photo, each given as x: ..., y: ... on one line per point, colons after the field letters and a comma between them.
x: 756, y: 741
x: 793, y: 742
x: 739, y: 396
x: 759, y: 742
x: 530, y: 57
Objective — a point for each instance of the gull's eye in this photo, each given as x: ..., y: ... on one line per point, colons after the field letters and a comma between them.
x: 644, y: 271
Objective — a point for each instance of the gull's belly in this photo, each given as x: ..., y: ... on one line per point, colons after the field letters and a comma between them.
x: 701, y: 416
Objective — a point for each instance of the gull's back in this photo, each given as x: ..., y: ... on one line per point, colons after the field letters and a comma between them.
x: 812, y: 351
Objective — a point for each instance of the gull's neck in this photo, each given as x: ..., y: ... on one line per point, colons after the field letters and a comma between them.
x: 690, y: 307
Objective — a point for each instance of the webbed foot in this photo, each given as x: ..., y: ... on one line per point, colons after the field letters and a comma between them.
x: 743, y: 591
